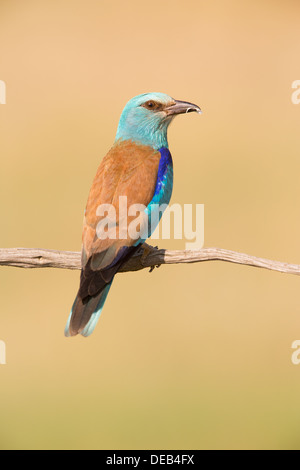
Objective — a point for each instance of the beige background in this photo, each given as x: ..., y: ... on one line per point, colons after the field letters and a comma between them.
x: 190, y: 356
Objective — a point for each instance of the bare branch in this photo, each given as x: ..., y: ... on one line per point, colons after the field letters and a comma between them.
x: 41, y: 258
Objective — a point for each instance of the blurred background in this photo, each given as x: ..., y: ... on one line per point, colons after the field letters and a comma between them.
x: 188, y: 357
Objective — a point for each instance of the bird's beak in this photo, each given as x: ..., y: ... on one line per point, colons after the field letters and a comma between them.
x: 182, y: 107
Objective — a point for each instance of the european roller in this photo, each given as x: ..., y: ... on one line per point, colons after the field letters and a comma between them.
x: 139, y: 166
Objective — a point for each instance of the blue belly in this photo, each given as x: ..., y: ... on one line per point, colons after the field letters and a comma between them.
x: 162, y: 193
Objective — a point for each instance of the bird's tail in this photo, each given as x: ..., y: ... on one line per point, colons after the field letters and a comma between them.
x: 85, y: 314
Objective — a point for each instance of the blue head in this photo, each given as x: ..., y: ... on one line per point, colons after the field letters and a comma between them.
x: 145, y: 118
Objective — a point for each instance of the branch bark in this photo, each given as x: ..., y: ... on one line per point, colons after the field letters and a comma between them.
x: 41, y: 258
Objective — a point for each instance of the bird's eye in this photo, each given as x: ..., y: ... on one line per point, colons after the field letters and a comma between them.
x: 151, y: 105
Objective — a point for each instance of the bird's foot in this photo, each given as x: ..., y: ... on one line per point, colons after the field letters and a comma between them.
x: 147, y: 249
x: 153, y: 267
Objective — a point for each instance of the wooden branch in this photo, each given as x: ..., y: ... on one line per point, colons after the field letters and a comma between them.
x: 41, y: 258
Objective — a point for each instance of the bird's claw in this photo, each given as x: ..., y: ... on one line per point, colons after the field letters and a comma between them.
x: 153, y: 267
x: 147, y: 249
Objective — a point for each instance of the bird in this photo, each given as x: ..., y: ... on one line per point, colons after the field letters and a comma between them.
x: 139, y: 167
